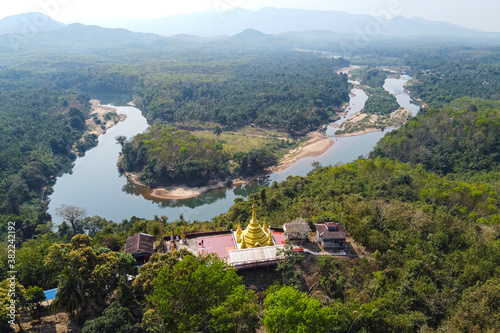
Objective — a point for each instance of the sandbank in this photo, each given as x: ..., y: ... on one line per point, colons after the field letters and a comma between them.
x: 316, y: 146
x: 100, y: 111
x: 401, y: 114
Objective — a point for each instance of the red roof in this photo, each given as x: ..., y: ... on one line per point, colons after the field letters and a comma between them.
x: 220, y: 245
x: 140, y: 243
x: 278, y: 238
x: 331, y: 230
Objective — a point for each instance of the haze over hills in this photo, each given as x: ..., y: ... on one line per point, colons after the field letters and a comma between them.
x: 290, y: 24
x: 273, y: 21
x: 28, y: 23
x: 266, y: 29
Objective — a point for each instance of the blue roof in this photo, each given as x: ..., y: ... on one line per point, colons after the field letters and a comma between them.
x: 50, y: 294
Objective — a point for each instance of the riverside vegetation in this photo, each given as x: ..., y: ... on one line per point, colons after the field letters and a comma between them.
x: 381, y: 109
x: 424, y: 205
x: 292, y: 93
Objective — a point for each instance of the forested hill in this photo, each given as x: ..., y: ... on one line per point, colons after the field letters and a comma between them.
x: 434, y: 243
x: 438, y: 79
x: 463, y: 137
x: 433, y: 239
x: 166, y: 156
x: 424, y: 211
x: 38, y: 129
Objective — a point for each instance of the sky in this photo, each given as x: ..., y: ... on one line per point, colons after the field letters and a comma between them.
x: 478, y: 14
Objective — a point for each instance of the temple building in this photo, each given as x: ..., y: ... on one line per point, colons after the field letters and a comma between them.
x: 256, y: 245
x: 141, y: 247
x: 254, y: 235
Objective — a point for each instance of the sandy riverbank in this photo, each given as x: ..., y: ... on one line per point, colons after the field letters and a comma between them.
x: 171, y: 193
x: 181, y: 193
x: 101, y: 111
x: 346, y: 70
x: 317, y: 145
x: 396, y: 119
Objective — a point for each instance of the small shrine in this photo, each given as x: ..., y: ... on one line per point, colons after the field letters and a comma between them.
x: 254, y: 235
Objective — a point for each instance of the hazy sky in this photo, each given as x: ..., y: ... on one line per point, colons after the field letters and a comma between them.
x: 478, y: 14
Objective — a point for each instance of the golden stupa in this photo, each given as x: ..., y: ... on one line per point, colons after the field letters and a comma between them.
x: 238, y: 233
x: 254, y: 235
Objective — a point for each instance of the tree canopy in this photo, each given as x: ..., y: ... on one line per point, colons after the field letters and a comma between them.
x: 189, y: 293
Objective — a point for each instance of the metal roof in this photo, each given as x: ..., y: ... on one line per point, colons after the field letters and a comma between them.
x: 253, y: 256
x: 326, y: 234
x: 140, y: 243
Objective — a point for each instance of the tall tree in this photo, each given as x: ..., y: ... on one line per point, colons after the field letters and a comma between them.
x: 187, y: 292
x: 239, y: 313
x: 289, y: 310
x: 121, y: 140
x: 72, y: 214
x: 115, y: 319
x: 70, y: 293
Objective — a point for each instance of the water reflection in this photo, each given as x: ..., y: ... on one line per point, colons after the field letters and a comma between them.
x: 96, y: 184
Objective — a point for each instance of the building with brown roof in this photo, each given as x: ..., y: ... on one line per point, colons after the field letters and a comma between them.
x: 331, y: 235
x: 141, y: 247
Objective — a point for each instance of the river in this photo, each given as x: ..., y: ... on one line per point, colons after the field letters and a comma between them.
x: 96, y: 184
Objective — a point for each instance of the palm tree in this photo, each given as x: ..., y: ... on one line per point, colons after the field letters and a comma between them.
x: 121, y: 140
x: 69, y: 293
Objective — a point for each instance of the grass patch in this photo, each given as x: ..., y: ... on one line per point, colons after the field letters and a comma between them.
x: 250, y: 139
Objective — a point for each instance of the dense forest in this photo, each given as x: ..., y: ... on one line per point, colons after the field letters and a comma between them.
x: 293, y: 91
x: 439, y: 82
x: 371, y: 77
x: 289, y: 91
x: 424, y: 206
x: 380, y: 102
x: 38, y: 130
x: 462, y: 137
x: 166, y: 156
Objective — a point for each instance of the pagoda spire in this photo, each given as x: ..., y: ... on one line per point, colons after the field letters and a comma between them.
x: 254, y: 234
x: 270, y: 239
x: 238, y: 233
x: 243, y: 243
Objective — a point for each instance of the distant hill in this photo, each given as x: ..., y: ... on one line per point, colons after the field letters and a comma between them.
x: 28, y: 23
x: 270, y: 30
x: 274, y: 21
x: 80, y: 38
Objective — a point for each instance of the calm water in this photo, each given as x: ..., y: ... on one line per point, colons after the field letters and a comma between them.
x: 96, y: 184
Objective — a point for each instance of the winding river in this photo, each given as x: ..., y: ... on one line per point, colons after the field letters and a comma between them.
x: 95, y: 183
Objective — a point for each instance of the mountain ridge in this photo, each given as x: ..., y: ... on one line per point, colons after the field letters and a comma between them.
x: 28, y: 23
x: 271, y: 20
